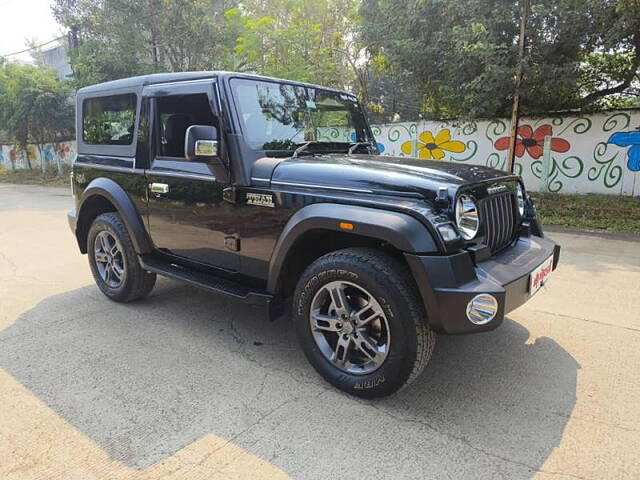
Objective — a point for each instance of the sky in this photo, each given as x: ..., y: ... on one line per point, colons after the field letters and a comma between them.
x: 25, y: 19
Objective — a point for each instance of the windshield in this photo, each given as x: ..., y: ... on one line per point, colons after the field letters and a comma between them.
x: 281, y: 116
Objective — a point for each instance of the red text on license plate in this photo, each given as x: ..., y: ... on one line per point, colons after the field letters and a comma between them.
x: 540, y: 275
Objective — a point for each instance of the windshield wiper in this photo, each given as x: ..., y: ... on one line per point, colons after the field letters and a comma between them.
x: 303, y: 147
x: 356, y: 145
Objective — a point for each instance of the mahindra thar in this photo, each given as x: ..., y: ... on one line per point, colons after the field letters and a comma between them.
x: 273, y: 192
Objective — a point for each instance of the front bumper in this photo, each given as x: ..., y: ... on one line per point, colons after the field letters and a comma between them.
x: 448, y: 283
x: 73, y: 220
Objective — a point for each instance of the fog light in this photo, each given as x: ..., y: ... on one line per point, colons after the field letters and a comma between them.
x: 482, y: 308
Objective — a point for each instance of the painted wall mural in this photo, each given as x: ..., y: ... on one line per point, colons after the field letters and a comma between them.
x: 629, y: 139
x: 597, y: 153
x: 51, y: 155
x: 430, y: 147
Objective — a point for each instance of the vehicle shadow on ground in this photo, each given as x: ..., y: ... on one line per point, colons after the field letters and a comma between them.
x: 144, y: 380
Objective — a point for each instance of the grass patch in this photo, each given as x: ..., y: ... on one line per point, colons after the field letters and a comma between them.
x: 36, y: 177
x: 602, y: 213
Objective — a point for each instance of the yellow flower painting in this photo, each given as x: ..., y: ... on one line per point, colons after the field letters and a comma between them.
x: 433, y: 148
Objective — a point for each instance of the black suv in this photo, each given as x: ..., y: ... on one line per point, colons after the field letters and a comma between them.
x: 272, y: 192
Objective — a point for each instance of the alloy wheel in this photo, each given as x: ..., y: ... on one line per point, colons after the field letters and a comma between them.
x: 349, y: 327
x: 109, y: 259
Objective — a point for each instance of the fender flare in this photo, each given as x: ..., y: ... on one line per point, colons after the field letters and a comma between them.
x: 125, y: 207
x: 398, y: 229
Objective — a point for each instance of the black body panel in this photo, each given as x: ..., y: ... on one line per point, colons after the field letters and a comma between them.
x: 124, y: 188
x: 191, y: 220
x: 402, y: 231
x: 377, y: 173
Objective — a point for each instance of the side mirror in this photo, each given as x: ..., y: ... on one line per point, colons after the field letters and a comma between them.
x: 201, y: 143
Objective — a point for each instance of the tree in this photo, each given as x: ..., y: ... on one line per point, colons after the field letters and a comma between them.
x: 35, y: 106
x: 119, y: 38
x: 295, y: 39
x: 305, y: 40
x: 581, y: 54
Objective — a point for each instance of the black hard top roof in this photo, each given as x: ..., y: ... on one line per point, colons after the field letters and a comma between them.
x: 159, y: 78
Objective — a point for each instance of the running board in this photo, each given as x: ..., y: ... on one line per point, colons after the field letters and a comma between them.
x: 206, y: 281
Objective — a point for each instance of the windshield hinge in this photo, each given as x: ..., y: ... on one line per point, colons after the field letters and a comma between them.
x: 442, y: 197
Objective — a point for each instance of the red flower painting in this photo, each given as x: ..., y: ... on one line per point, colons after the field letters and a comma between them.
x: 63, y: 150
x: 533, y: 142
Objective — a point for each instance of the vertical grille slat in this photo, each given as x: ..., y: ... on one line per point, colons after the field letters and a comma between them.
x: 498, y: 216
x: 504, y: 228
x: 492, y: 221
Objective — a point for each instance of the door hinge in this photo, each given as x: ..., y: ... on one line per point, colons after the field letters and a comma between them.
x: 232, y: 243
x: 229, y: 194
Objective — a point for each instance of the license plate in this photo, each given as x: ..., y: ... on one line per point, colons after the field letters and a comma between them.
x: 540, y: 275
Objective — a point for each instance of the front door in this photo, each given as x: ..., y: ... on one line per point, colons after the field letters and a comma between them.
x: 188, y: 217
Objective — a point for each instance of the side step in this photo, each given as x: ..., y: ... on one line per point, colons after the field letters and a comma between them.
x: 206, y: 281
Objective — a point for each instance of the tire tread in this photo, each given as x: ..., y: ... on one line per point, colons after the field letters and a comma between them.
x: 140, y: 281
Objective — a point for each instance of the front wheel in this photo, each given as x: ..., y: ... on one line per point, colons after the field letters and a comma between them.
x: 361, y: 323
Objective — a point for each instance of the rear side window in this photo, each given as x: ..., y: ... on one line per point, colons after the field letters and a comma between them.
x: 109, y: 120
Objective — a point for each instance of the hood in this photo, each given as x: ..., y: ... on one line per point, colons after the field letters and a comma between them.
x: 381, y: 174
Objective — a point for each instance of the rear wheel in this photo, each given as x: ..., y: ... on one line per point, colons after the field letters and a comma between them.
x: 113, y: 261
x: 361, y: 323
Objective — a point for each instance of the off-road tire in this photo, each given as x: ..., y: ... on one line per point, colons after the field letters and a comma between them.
x: 390, y: 282
x: 137, y: 282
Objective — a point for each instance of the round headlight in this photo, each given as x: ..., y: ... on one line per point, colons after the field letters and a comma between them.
x: 467, y: 217
x: 520, y: 199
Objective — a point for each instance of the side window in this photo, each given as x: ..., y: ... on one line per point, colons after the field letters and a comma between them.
x: 176, y: 113
x: 109, y: 120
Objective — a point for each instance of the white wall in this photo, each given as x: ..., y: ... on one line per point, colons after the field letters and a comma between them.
x: 591, y: 163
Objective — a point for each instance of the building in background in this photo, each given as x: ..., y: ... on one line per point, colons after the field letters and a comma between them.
x: 56, y: 57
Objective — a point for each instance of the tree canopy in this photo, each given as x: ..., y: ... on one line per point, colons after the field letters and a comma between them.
x: 297, y: 39
x: 436, y: 58
x: 462, y: 54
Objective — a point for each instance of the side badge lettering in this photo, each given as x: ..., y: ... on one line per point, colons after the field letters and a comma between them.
x: 497, y: 189
x: 260, y: 199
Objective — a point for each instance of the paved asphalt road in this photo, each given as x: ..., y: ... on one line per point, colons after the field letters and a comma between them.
x: 188, y: 385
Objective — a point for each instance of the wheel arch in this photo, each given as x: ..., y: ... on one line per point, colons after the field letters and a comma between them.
x: 104, y: 195
x: 318, y: 226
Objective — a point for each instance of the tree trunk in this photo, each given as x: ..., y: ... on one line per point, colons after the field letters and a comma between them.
x: 12, y: 158
x: 25, y: 155
x: 58, y: 162
x: 43, y: 164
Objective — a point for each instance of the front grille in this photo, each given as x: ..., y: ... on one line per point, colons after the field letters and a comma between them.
x: 498, y: 215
